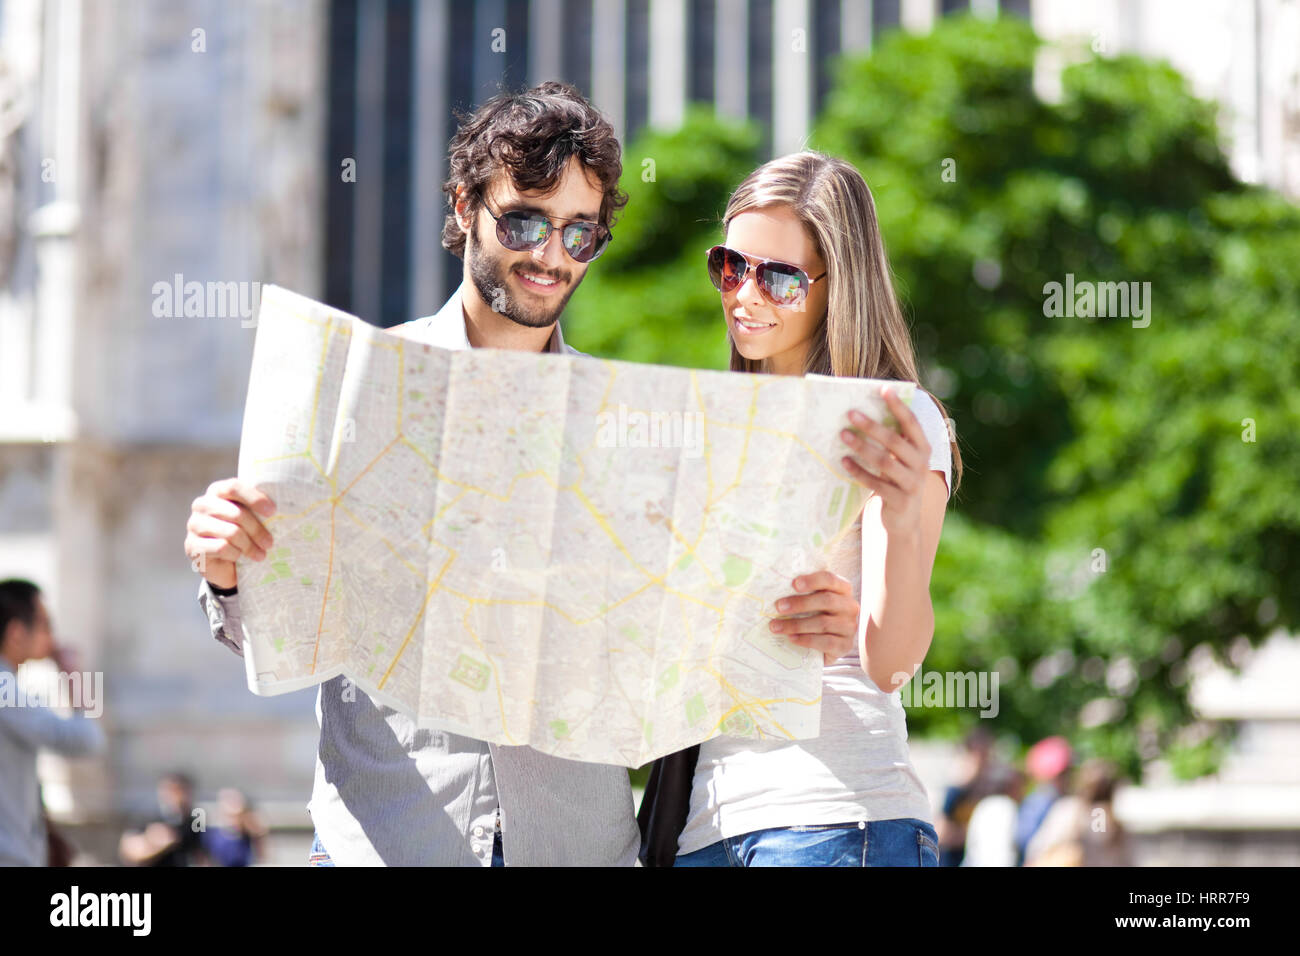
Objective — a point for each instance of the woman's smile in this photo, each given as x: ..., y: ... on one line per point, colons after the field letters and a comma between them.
x: 746, y: 325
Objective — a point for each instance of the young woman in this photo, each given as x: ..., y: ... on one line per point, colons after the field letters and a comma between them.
x: 805, y: 287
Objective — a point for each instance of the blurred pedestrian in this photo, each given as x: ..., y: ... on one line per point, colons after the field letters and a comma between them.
x: 1047, y: 762
x: 237, y: 838
x: 991, y: 833
x: 973, y: 783
x: 1081, y: 829
x: 174, y: 837
x: 29, y: 725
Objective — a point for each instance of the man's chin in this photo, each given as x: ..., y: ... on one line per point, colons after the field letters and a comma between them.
x: 547, y: 310
x: 531, y: 318
x: 535, y: 323
x: 520, y: 306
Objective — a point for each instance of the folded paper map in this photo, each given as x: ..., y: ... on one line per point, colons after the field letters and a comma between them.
x: 554, y: 550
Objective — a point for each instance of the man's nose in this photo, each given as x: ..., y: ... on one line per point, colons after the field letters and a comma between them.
x: 551, y: 253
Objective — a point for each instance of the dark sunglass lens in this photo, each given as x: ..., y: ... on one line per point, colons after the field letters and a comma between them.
x: 731, y: 269
x: 518, y: 231
x: 599, y: 245
x: 785, y: 286
x: 715, y: 267
x: 583, y: 241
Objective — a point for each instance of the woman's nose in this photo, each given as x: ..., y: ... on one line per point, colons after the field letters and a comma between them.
x: 748, y: 293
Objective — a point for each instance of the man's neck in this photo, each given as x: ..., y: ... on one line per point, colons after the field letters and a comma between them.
x: 488, y: 329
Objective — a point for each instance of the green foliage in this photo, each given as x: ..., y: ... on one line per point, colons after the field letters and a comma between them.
x: 648, y: 298
x: 1088, y: 433
x: 1113, y: 516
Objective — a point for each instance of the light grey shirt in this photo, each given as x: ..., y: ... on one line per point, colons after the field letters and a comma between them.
x: 388, y: 792
x: 24, y: 730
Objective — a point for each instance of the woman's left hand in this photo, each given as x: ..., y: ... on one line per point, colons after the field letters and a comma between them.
x: 832, y: 622
x: 895, y: 472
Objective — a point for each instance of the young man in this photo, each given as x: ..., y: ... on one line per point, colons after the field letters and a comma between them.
x: 533, y: 180
x: 26, y: 634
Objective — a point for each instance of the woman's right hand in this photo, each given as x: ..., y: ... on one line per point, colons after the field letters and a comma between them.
x: 223, y: 526
x: 821, y: 614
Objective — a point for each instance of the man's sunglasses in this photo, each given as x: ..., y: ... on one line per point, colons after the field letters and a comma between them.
x: 782, y: 284
x: 521, y: 230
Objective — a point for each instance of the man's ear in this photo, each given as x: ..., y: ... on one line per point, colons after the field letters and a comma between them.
x: 462, y: 210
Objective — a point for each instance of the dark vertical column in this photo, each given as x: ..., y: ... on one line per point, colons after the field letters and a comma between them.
x: 576, y: 49
x: 825, y: 46
x: 637, y: 86
x: 701, y: 26
x: 395, y: 261
x: 515, y: 74
x: 885, y: 15
x: 340, y: 135
x: 460, y: 94
x: 947, y: 7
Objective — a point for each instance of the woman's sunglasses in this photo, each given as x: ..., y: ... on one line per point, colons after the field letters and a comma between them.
x: 521, y: 231
x: 782, y: 284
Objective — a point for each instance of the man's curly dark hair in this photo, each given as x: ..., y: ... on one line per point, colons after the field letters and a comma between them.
x: 531, y: 134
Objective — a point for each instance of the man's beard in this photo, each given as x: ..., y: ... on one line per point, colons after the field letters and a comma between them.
x: 490, y: 275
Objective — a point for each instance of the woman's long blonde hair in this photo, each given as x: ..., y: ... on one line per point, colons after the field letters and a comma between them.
x: 864, y: 334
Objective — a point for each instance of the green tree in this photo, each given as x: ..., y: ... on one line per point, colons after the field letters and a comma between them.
x: 1117, y: 513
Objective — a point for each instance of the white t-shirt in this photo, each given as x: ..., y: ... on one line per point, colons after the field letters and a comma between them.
x: 857, y: 770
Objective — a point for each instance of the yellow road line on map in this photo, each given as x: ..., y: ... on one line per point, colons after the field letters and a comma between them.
x: 501, y: 702
x: 420, y: 614
x: 388, y: 544
x: 329, y: 573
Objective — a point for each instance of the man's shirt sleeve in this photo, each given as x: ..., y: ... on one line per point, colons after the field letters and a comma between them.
x: 223, y: 617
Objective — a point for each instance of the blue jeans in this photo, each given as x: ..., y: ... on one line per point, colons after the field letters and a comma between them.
x: 320, y: 857
x: 902, y: 842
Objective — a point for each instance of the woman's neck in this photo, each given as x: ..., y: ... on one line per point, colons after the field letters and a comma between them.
x: 790, y: 362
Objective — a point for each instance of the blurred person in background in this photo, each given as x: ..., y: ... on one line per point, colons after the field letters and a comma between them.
x: 975, y: 769
x: 27, y: 728
x: 237, y: 838
x: 991, y: 832
x: 175, y: 837
x: 1080, y: 829
x: 1049, y: 762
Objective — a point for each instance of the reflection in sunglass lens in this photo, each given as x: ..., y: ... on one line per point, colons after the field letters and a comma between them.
x: 581, y: 240
x: 725, y: 269
x: 518, y: 231
x: 782, y: 285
